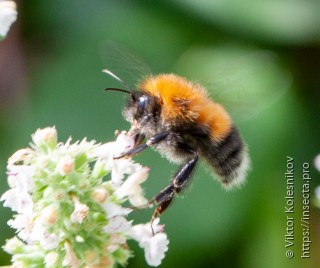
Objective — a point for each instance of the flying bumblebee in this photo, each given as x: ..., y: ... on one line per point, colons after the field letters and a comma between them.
x: 178, y: 119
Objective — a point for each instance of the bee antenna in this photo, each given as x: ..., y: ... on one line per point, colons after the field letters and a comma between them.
x: 129, y: 91
x: 118, y: 89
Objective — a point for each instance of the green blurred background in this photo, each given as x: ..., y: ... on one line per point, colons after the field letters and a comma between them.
x: 265, y: 53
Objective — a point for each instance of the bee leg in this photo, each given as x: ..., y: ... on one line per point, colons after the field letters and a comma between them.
x: 133, y: 151
x: 163, y: 200
x: 154, y: 139
x: 157, y: 138
x: 138, y: 139
x: 181, y: 179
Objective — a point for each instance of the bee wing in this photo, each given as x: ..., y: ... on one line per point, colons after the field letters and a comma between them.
x: 244, y: 81
x: 123, y: 63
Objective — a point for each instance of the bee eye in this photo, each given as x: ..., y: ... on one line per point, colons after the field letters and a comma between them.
x: 142, y: 103
x: 141, y: 106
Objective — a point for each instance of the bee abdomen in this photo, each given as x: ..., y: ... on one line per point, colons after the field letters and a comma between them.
x: 229, y: 159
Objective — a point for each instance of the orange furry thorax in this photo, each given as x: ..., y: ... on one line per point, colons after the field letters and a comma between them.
x: 186, y: 102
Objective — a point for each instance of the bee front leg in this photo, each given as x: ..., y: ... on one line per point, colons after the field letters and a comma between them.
x: 137, y: 149
x: 179, y: 182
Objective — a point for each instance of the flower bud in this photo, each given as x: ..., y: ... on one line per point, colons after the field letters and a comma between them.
x: 22, y: 155
x: 105, y: 262
x: 12, y: 245
x: 46, y: 136
x: 80, y: 211
x: 99, y: 195
x: 91, y: 256
x: 70, y: 258
x: 65, y: 165
x: 49, y: 215
x: 51, y: 259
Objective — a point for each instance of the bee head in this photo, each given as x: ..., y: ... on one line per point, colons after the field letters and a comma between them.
x: 140, y: 106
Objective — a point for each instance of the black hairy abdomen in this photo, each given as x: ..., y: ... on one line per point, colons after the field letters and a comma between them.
x: 225, y: 156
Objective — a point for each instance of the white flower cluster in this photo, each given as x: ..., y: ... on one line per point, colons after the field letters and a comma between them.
x: 8, y: 15
x: 68, y: 214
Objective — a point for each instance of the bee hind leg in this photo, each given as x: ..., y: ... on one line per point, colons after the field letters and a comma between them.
x: 179, y: 182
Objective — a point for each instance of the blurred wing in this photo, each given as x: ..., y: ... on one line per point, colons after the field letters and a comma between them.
x: 123, y: 63
x: 244, y: 81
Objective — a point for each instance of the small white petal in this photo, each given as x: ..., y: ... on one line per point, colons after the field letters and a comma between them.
x: 23, y: 224
x: 109, y: 150
x: 138, y: 200
x: 121, y: 167
x: 21, y: 177
x: 40, y: 234
x: 115, y: 241
x: 10, y: 199
x: 124, y: 142
x: 141, y: 232
x: 117, y: 224
x: 16, y: 263
x: 99, y: 167
x: 12, y: 245
x: 37, y: 231
x: 82, y: 147
x: 154, y: 245
x: 114, y: 210
x: 131, y: 188
x: 8, y: 15
x: 104, y: 151
x: 17, y: 200
x: 155, y: 249
x: 49, y: 241
x: 19, y: 222
x: 51, y: 259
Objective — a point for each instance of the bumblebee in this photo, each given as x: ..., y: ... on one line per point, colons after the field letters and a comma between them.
x: 178, y: 119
